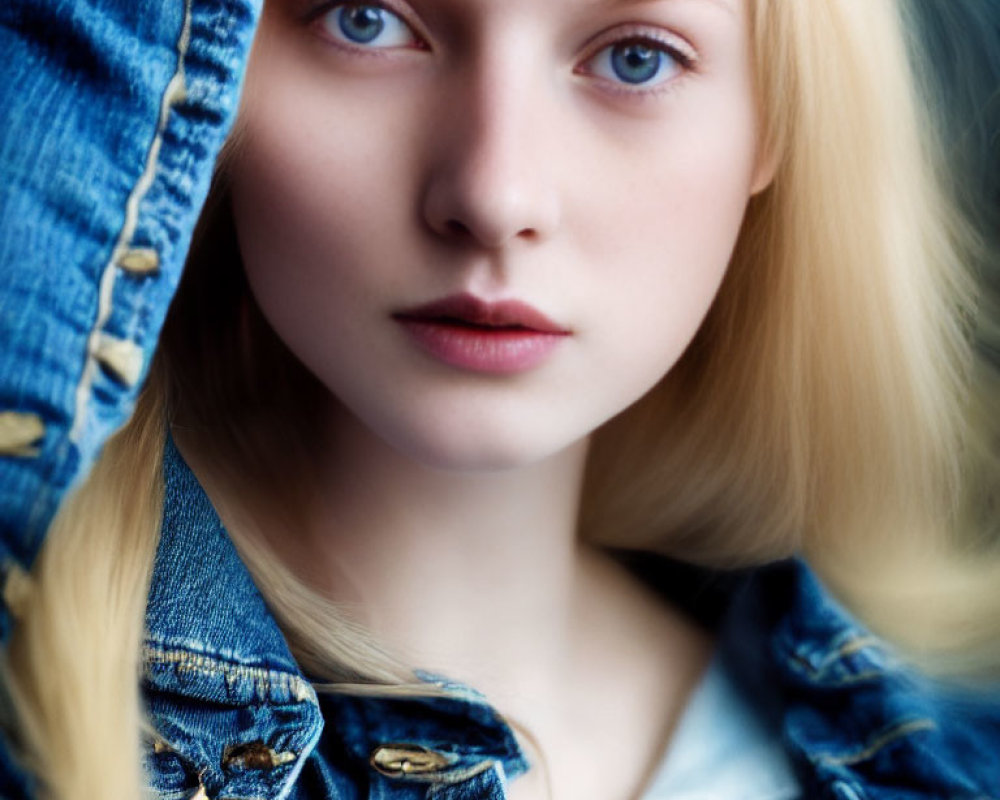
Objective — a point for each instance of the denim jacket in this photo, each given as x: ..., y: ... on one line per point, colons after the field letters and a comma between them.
x: 113, y: 112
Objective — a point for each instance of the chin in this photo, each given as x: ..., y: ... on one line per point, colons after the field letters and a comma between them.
x: 476, y: 447
x: 472, y: 456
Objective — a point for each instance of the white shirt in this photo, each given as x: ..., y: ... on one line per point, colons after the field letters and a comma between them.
x: 721, y: 750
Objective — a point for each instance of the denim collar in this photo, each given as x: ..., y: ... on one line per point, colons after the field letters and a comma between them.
x: 230, y: 705
x: 856, y: 717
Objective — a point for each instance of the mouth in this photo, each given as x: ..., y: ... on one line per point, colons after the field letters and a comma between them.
x: 468, y: 311
x: 471, y: 334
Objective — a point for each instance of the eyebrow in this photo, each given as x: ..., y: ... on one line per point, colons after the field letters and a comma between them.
x: 722, y: 5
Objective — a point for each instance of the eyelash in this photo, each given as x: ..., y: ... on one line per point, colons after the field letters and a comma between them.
x: 316, y: 15
x: 670, y: 49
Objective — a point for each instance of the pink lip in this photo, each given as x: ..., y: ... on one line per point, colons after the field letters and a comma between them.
x: 500, y: 338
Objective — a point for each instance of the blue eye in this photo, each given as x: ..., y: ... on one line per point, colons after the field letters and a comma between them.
x: 638, y: 63
x: 367, y: 25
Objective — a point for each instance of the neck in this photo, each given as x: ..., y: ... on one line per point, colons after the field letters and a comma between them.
x: 425, y: 556
x: 481, y: 577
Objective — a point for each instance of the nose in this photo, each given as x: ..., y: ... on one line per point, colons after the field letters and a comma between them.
x: 491, y: 179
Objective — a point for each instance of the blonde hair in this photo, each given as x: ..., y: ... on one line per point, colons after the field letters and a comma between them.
x: 823, y: 407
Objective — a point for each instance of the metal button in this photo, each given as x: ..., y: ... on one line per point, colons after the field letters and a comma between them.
x: 122, y: 357
x: 20, y: 431
x: 139, y: 260
x: 401, y: 760
x: 18, y: 587
x: 160, y: 746
x: 254, y: 755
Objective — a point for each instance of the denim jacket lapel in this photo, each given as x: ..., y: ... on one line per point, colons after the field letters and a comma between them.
x: 233, y: 714
x: 861, y: 722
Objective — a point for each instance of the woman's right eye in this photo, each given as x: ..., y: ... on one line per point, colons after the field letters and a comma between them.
x: 368, y: 26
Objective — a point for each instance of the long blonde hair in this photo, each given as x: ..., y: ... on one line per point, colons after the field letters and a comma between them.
x: 823, y: 407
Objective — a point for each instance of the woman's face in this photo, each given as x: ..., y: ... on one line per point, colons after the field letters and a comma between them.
x: 488, y: 226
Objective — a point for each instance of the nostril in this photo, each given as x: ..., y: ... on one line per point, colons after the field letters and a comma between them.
x: 459, y: 229
x: 456, y: 227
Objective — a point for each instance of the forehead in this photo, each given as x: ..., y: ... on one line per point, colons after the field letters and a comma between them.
x: 543, y: 7
x: 730, y: 7
x: 727, y: 6
x: 724, y: 5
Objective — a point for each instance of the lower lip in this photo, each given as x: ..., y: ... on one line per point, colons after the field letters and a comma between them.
x: 502, y: 351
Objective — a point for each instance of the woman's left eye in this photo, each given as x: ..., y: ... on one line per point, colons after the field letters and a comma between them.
x: 641, y: 63
x: 367, y: 25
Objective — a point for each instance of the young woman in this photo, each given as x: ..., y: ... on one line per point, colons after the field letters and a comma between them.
x: 493, y: 305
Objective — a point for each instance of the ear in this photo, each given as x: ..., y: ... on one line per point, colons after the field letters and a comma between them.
x: 765, y: 168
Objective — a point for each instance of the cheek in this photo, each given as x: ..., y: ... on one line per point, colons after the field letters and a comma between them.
x: 665, y: 236
x: 314, y: 220
x: 316, y: 177
x: 298, y: 188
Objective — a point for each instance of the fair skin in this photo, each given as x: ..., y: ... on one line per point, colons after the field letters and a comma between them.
x: 590, y: 158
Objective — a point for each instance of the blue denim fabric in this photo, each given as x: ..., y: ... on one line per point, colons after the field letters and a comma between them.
x: 113, y: 113
x: 865, y: 724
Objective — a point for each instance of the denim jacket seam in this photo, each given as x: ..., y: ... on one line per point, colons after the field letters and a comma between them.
x: 263, y: 679
x: 443, y: 782
x: 876, y: 742
x: 846, y: 644
x: 124, y: 364
x: 449, y: 777
x: 865, y: 676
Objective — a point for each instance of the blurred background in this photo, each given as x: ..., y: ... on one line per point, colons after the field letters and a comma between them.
x: 959, y: 41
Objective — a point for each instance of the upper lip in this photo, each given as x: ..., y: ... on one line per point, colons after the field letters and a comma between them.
x: 469, y: 309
